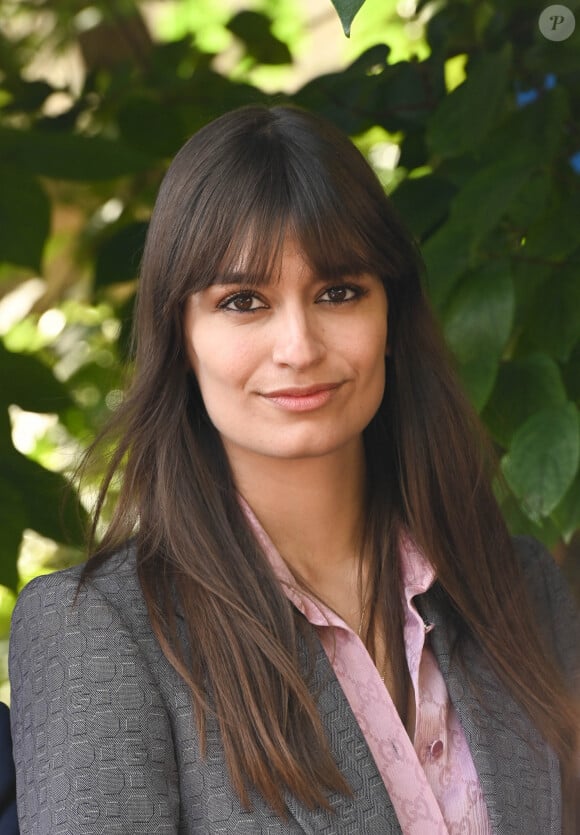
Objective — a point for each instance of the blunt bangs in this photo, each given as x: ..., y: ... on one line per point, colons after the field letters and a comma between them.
x: 275, y: 202
x: 326, y: 239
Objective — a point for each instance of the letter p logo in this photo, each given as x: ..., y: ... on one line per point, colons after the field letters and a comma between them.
x: 556, y: 23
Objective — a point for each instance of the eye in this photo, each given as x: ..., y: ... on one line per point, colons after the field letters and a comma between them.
x: 243, y: 302
x: 341, y: 294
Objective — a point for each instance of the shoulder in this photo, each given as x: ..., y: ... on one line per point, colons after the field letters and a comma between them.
x: 553, y: 604
x: 57, y: 616
x: 118, y: 569
x: 115, y: 580
x: 92, y: 696
x: 80, y: 642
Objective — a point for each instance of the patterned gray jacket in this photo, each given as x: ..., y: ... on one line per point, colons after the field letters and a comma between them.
x: 105, y: 742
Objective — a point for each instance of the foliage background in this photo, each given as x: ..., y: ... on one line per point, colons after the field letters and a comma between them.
x: 471, y: 119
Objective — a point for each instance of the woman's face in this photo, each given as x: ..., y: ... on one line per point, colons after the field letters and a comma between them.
x: 291, y: 369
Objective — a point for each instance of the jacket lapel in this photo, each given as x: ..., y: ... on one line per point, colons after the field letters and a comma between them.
x: 519, y: 773
x: 369, y: 809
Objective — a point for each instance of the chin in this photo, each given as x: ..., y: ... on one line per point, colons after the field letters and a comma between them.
x: 306, y: 448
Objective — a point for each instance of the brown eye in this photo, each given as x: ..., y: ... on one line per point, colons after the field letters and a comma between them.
x: 242, y: 303
x: 341, y: 294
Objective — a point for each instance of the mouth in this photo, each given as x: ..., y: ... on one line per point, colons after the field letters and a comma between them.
x: 302, y: 391
x: 302, y: 398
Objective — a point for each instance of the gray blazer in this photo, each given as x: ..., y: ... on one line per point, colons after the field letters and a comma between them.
x: 105, y: 741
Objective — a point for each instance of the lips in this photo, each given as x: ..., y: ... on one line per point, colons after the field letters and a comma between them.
x: 302, y: 391
x: 302, y: 398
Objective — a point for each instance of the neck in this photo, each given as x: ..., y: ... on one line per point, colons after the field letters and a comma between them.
x: 312, y: 510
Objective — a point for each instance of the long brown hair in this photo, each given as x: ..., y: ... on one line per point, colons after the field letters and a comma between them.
x: 240, y: 185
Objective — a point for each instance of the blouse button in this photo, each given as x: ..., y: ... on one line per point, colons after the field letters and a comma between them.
x: 436, y: 749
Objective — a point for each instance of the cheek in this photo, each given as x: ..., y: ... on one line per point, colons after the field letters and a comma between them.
x: 371, y: 346
x: 373, y: 361
x: 220, y: 360
x: 190, y: 330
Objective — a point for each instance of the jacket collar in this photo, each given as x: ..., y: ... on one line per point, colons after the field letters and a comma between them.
x: 369, y: 809
x: 518, y: 772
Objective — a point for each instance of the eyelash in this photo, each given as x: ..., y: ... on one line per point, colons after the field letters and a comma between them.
x: 358, y: 292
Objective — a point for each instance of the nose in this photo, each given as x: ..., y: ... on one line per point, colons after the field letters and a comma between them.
x: 298, y: 339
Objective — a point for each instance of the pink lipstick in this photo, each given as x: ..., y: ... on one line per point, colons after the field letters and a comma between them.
x: 303, y: 398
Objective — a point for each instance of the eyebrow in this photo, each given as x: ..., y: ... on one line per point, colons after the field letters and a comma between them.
x: 237, y: 277
x: 242, y: 278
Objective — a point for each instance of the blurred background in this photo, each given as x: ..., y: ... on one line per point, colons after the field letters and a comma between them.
x: 470, y: 116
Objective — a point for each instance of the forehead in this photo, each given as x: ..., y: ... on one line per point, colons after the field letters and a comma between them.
x: 287, y: 260
x: 254, y: 264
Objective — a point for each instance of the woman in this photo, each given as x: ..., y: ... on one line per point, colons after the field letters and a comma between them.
x: 306, y: 614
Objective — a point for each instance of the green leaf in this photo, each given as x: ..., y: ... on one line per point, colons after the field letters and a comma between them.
x: 423, y: 202
x: 136, y: 121
x: 347, y: 10
x: 414, y: 153
x: 535, y: 131
x: 29, y: 384
x: 27, y: 95
x: 529, y: 205
x: 68, y: 156
x: 528, y: 277
x: 405, y: 96
x: 477, y: 324
x: 450, y: 30
x: 478, y: 376
x: 543, y: 459
x: 519, y: 524
x: 555, y: 234
x: 487, y: 195
x: 571, y: 375
x: 7, y: 600
x: 213, y: 94
x: 254, y: 29
x: 475, y: 212
x: 352, y: 98
x: 32, y: 497
x: 24, y: 220
x: 562, y: 61
x: 523, y: 387
x: 465, y: 117
x: 553, y: 320
x: 479, y: 315
x: 567, y: 513
x: 119, y: 256
x: 13, y: 521
x: 48, y: 503
x: 447, y: 254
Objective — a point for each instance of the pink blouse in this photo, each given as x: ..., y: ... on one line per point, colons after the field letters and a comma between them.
x: 432, y: 782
